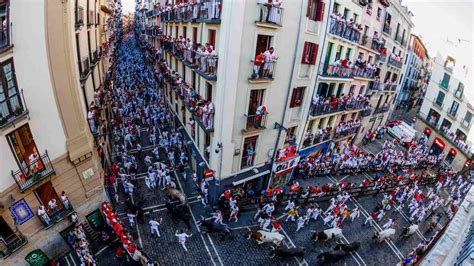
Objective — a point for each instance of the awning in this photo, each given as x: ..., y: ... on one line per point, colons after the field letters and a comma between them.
x: 438, y: 142
x: 235, y: 183
x: 427, y: 131
x: 453, y: 152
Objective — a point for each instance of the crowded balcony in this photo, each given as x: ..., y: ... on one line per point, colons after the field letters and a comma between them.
x: 56, y: 216
x: 345, y: 129
x: 33, y: 171
x: 365, y: 70
x: 338, y: 70
x: 375, y: 43
x: 389, y: 86
x: 327, y: 105
x: 201, y: 108
x: 263, y: 67
x: 12, y: 108
x: 395, y: 60
x: 202, y: 58
x: 339, y: 26
x: 207, y: 11
x: 320, y: 136
x: 455, y: 140
x: 367, y: 111
x: 383, y: 109
x: 269, y: 15
x: 255, y: 122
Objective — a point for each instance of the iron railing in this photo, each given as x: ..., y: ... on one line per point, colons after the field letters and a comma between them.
x: 341, y: 29
x: 387, y: 29
x: 12, y: 108
x: 33, y: 172
x: 382, y: 109
x: 269, y: 14
x: 338, y: 71
x: 264, y: 71
x: 254, y: 122
x: 79, y: 21
x: 12, y: 244
x: 392, y: 61
x: 366, y: 112
x: 328, y: 108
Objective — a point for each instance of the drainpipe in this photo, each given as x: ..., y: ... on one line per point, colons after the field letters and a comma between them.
x: 282, y: 120
x: 317, y: 74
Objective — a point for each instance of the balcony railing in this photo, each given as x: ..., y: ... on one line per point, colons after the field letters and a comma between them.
x: 364, y: 73
x: 12, y: 244
x: 382, y: 109
x: 57, y: 216
x: 33, y: 172
x: 5, y: 37
x: 444, y: 84
x: 341, y: 29
x: 366, y: 112
x: 85, y: 68
x: 12, y: 108
x: 206, y: 66
x: 316, y: 139
x: 95, y: 57
x: 270, y: 15
x: 381, y: 58
x: 263, y: 72
x: 434, y: 124
x: 338, y: 72
x: 254, y: 122
x: 387, y: 29
x: 452, y: 114
x: 371, y: 43
x: 392, y: 61
x: 207, y: 11
x: 329, y: 108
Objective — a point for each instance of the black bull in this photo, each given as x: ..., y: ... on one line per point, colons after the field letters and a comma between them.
x: 332, y: 256
x: 285, y: 253
x: 180, y: 212
x: 212, y: 227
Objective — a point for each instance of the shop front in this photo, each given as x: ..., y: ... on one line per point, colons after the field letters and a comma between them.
x: 438, y: 146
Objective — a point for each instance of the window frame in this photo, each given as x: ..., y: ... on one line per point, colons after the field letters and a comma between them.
x: 5, y: 89
x: 297, y: 96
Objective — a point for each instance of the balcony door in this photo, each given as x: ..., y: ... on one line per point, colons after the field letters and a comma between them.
x: 24, y: 149
x: 45, y: 193
x: 6, y: 233
x: 264, y: 42
x: 256, y: 100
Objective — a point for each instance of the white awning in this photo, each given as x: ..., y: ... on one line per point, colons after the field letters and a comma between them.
x: 235, y: 183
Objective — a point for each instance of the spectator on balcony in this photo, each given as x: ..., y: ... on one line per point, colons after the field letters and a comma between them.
x: 249, y: 153
x: 257, y: 64
x: 65, y: 200
x: 44, y: 215
x: 201, y: 56
x: 269, y: 59
x: 188, y: 50
x: 261, y: 111
x: 274, y: 15
x: 213, y: 9
x: 212, y: 60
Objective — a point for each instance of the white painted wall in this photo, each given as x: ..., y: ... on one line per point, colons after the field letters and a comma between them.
x: 32, y: 74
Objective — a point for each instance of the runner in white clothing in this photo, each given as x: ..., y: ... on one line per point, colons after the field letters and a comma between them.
x: 182, y: 237
x: 154, y: 226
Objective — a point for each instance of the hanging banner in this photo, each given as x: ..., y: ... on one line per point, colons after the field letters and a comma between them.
x: 285, y: 167
x: 21, y: 212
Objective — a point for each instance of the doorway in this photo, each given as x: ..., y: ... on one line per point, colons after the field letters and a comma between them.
x: 24, y: 149
x: 6, y: 233
x: 45, y: 193
x: 264, y: 42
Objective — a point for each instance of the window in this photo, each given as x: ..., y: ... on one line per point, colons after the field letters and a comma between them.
x: 440, y: 98
x: 459, y: 90
x: 256, y: 100
x: 348, y: 53
x: 454, y: 108
x: 461, y: 135
x: 310, y: 53
x: 208, y: 91
x: 297, y: 97
x: 5, y: 31
x: 195, y: 34
x: 445, y: 81
x: 248, y: 153
x: 446, y: 125
x: 362, y: 90
x: 212, y: 38
x: 379, y: 13
x: 264, y: 42
x: 176, y: 31
x: 45, y: 193
x: 24, y: 149
x: 290, y: 136
x: 315, y: 10
x: 185, y: 30
x: 467, y: 119
x: 10, y: 103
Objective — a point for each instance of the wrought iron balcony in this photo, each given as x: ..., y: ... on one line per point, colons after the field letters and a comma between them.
x: 254, y: 122
x: 329, y: 108
x: 372, y: 43
x: 392, y: 61
x: 12, y: 244
x: 382, y: 109
x: 33, y: 172
x: 341, y: 29
x: 263, y: 72
x: 338, y: 72
x: 366, y: 112
x: 269, y: 16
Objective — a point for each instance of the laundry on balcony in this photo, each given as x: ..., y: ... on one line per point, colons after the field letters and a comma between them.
x: 344, y: 28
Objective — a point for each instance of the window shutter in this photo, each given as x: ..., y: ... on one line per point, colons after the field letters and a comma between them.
x: 314, y: 54
x: 305, y: 52
x: 293, y: 98
x: 320, y: 11
x: 310, y: 6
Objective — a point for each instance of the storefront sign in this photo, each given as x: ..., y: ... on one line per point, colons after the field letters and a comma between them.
x: 21, y: 212
x: 286, y: 166
x: 37, y: 258
x: 453, y: 152
x: 439, y: 143
x: 209, y: 174
x: 88, y: 173
x: 95, y: 219
x: 285, y: 153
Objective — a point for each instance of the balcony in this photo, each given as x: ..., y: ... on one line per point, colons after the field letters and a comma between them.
x: 341, y: 29
x: 346, y: 132
x: 57, y: 217
x: 208, y: 13
x: 338, y: 72
x: 34, y: 172
x: 439, y: 105
x: 389, y: 86
x: 444, y: 84
x: 452, y: 114
x: 85, y: 68
x: 5, y: 38
x: 387, y: 29
x: 447, y: 134
x: 12, y: 108
x: 365, y: 73
x: 206, y: 65
x: 329, y: 108
x: 95, y: 57
x: 262, y: 72
x: 79, y: 21
x: 255, y: 122
x: 317, y: 139
x: 393, y: 61
x: 269, y: 17
x: 372, y: 43
x: 382, y: 109
x: 366, y: 112
x: 11, y: 244
x: 380, y: 58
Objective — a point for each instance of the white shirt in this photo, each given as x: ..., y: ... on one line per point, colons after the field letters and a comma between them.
x: 182, y: 237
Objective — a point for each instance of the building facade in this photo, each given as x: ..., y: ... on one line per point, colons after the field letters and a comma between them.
x: 415, y: 77
x: 445, y: 115
x: 46, y: 142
